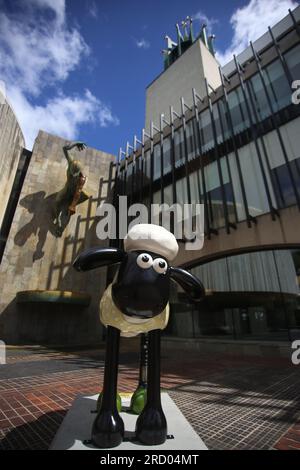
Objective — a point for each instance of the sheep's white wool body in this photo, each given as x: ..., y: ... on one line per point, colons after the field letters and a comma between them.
x: 153, y: 238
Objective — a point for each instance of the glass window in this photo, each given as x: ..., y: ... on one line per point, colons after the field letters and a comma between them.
x: 156, y: 197
x: 283, y: 184
x: 147, y: 164
x: 292, y: 58
x: 296, y: 260
x: 129, y: 170
x: 156, y: 161
x: 207, y: 139
x: 138, y: 170
x: 238, y: 110
x: 167, y: 154
x: 278, y: 85
x: 190, y: 140
x: 289, y: 270
x: 291, y: 138
x: 213, y: 275
x: 259, y: 97
x: 228, y: 189
x: 223, y: 119
x: 214, y: 195
x: 253, y: 296
x: 213, y: 187
x: 181, y: 191
x: 237, y: 188
x: 195, y: 185
x: 253, y: 180
x: 217, y: 123
x: 179, y: 147
x: 285, y: 193
x: 168, y: 195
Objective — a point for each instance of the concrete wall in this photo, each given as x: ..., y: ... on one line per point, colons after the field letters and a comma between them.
x: 11, y: 146
x: 186, y: 73
x: 35, y: 258
x: 283, y: 233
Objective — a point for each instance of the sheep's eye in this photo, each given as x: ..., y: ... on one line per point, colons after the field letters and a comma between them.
x: 160, y: 266
x: 144, y: 261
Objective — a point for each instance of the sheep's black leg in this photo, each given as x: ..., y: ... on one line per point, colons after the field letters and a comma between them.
x: 143, y: 361
x: 151, y: 425
x: 138, y: 399
x: 108, y: 427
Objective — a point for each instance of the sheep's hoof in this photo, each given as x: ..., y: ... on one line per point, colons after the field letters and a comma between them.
x: 108, y: 430
x: 151, y: 426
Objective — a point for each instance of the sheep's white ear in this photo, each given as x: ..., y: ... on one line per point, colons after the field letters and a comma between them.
x: 97, y: 257
x: 189, y: 283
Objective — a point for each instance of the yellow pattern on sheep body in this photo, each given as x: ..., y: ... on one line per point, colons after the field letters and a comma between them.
x: 110, y: 315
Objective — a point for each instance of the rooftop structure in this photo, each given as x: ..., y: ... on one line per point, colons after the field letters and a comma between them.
x: 185, y: 38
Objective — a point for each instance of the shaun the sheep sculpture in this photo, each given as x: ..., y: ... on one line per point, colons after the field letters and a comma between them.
x: 136, y: 302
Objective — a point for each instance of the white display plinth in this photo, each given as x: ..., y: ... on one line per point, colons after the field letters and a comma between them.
x: 77, y: 425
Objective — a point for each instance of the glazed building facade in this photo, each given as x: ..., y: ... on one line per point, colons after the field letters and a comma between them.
x: 236, y: 149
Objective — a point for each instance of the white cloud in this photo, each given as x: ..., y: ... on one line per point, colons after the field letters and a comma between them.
x: 61, y: 115
x: 202, y: 18
x: 142, y: 43
x: 58, y: 6
x: 38, y: 51
x: 92, y: 9
x: 252, y: 21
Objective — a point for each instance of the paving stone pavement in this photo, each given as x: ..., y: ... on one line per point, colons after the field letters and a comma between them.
x: 232, y: 402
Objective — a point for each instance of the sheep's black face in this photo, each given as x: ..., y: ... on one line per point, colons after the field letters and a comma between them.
x: 142, y: 286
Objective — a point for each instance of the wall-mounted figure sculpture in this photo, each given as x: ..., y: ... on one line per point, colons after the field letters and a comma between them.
x: 136, y: 302
x: 72, y: 193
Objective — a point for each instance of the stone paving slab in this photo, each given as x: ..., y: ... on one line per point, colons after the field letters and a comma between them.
x: 76, y: 428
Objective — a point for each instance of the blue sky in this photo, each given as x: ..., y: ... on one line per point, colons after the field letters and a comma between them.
x: 79, y: 68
